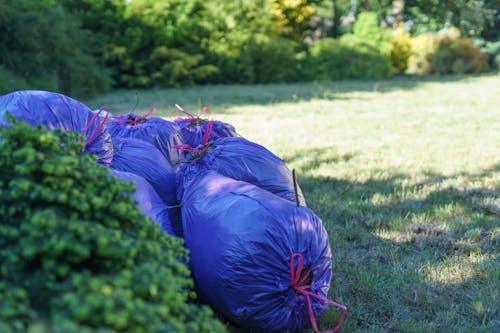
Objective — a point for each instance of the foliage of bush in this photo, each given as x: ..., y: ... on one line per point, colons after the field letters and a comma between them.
x: 422, y: 49
x: 492, y: 50
x: 458, y: 56
x: 10, y: 82
x: 46, y: 47
x: 400, y: 50
x: 178, y: 42
x: 292, y: 19
x: 367, y: 27
x: 245, y: 45
x: 76, y: 253
x: 273, y: 59
x: 471, y: 17
x: 344, y: 58
x: 447, y: 53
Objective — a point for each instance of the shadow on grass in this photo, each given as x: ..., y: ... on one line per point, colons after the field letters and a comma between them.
x: 220, y: 97
x: 410, y: 255
x: 413, y: 257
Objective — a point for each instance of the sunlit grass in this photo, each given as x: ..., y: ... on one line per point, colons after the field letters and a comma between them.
x: 405, y: 175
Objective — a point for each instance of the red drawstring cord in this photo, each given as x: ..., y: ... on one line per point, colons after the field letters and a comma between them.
x: 188, y: 148
x: 190, y: 117
x: 96, y: 132
x: 208, y: 132
x: 92, y: 121
x: 304, y: 290
x: 181, y: 110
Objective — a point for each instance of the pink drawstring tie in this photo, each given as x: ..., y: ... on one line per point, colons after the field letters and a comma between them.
x: 92, y: 121
x: 297, y: 285
x: 133, y: 122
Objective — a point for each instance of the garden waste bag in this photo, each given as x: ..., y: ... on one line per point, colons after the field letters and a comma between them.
x: 57, y: 111
x: 144, y: 159
x: 193, y: 129
x: 163, y: 134
x: 261, y: 261
x: 244, y: 160
x: 148, y: 201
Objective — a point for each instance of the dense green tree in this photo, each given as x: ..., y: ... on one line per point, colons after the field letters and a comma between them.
x: 47, y: 47
x: 470, y: 16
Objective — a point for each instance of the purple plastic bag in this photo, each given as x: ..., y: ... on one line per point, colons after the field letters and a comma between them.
x: 163, y: 134
x: 144, y: 159
x: 148, y: 201
x: 57, y: 111
x: 193, y: 128
x: 244, y: 160
x: 256, y: 258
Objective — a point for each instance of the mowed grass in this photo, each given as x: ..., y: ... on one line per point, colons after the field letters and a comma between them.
x: 405, y: 175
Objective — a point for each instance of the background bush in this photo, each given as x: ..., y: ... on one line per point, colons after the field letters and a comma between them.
x: 83, y: 47
x: 422, y: 49
x: 446, y: 53
x: 346, y: 58
x: 76, y: 253
x: 458, y: 56
x: 400, y: 50
x: 45, y: 46
x: 492, y: 50
x: 367, y: 27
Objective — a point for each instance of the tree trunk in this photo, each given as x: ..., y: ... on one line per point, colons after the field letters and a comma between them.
x: 398, y: 9
x: 364, y: 5
x: 335, y: 31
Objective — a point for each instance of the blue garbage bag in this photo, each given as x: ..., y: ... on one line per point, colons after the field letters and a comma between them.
x: 57, y: 111
x: 163, y: 134
x: 245, y: 244
x: 148, y: 201
x: 244, y: 160
x: 144, y: 159
x: 193, y: 130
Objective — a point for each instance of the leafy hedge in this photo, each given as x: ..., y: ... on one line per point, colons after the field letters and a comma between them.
x: 76, y: 253
x: 349, y: 57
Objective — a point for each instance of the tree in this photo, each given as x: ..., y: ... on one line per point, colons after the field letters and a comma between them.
x: 470, y: 16
x: 398, y: 9
x: 47, y: 46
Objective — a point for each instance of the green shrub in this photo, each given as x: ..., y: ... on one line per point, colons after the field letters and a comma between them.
x: 76, y: 253
x: 273, y: 59
x: 367, y: 28
x: 400, y: 50
x: 347, y: 57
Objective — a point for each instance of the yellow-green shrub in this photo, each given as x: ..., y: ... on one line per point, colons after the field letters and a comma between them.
x: 422, y: 49
x: 400, y: 50
x: 291, y: 18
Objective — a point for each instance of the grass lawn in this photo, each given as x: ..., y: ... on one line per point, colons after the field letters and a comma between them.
x: 405, y: 175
